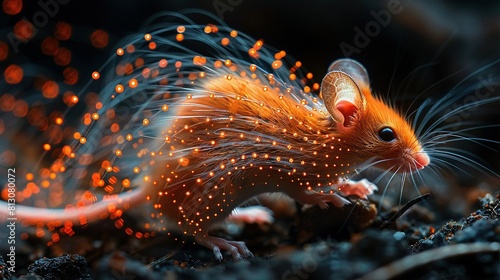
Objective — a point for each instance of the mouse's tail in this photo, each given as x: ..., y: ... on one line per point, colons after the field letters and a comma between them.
x: 77, y: 215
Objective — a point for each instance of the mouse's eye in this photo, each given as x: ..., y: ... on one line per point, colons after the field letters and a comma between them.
x: 387, y: 134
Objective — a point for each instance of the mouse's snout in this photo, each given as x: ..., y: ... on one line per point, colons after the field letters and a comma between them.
x: 422, y: 160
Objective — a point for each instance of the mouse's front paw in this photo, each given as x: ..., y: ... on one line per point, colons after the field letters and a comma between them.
x: 362, y: 188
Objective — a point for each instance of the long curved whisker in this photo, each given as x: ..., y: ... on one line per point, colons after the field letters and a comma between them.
x: 459, y: 138
x: 371, y: 164
x: 457, y: 110
x: 384, y: 192
x: 446, y: 129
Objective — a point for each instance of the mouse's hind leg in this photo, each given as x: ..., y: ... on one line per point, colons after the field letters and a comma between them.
x: 238, y: 249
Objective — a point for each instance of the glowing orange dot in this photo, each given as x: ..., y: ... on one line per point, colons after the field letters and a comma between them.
x: 66, y: 150
x: 253, y: 53
x: 59, y: 121
x: 20, y: 108
x: 55, y: 237
x: 280, y: 55
x: 258, y: 45
x: 46, y: 147
x: 139, y: 62
x: 83, y: 140
x: 62, y: 31
x: 120, y: 51
x: 207, y: 29
x: 12, y: 7
x: 309, y: 75
x: 105, y: 164
x: 298, y: 64
x: 119, y: 88
x: 253, y: 67
x: 50, y: 89
x: 218, y: 64
x: 147, y: 37
x: 130, y: 48
x: 50, y: 45
x: 62, y: 57
x: 29, y: 176
x: 233, y: 33
x: 13, y: 74
x: 95, y: 116
x: 225, y: 41
x: 145, y: 122
x: 77, y: 135
x: 126, y: 183
x: 146, y: 72
x: 181, y: 29
x: 293, y: 77
x: 4, y: 51
x: 86, y: 119
x: 199, y: 60
x: 40, y: 233
x: 115, y: 128
x: 178, y: 64
x: 152, y: 45
x: 132, y: 83
x: 100, y: 39
x: 70, y: 75
x: 24, y: 30
x: 179, y: 37
x: 163, y: 63
x: 96, y: 75
x: 110, y: 113
x: 128, y: 68
x: 277, y: 64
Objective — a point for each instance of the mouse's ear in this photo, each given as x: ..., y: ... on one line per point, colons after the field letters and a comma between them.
x: 354, y: 69
x: 342, y: 97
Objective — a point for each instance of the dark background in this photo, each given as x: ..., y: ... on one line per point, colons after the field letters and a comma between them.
x: 427, y: 48
x: 455, y: 35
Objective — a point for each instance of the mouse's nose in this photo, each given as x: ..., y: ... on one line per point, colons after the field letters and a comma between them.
x: 422, y: 159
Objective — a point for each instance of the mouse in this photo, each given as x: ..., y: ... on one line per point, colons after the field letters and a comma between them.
x: 216, y: 131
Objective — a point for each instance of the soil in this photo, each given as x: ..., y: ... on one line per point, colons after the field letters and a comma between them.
x: 310, y: 243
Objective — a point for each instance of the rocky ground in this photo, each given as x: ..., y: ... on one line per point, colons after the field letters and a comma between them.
x: 355, y: 242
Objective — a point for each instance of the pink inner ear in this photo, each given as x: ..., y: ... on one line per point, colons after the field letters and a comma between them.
x: 348, y: 110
